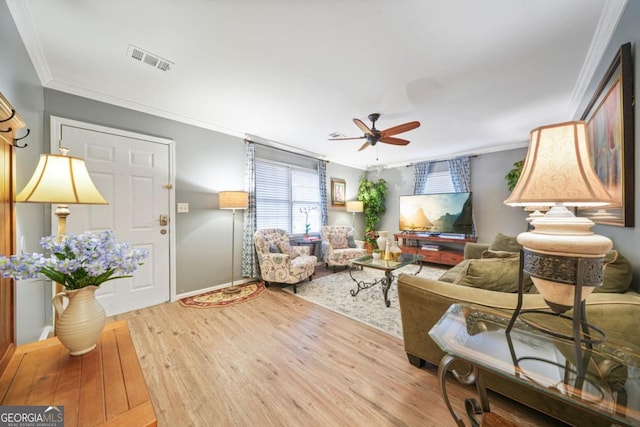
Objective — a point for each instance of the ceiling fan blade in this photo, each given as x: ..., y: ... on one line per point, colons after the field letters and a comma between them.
x: 365, y: 145
x: 394, y: 141
x: 364, y: 128
x: 346, y: 138
x: 399, y: 129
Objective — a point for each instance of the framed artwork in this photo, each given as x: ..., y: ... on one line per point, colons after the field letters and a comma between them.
x: 610, y: 128
x: 338, y: 191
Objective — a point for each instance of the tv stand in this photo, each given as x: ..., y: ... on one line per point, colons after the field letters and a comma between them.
x: 450, y: 250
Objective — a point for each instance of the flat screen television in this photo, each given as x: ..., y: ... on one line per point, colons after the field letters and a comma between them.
x: 442, y: 213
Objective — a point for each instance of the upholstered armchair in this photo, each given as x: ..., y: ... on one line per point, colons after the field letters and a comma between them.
x: 339, y: 246
x: 281, y: 262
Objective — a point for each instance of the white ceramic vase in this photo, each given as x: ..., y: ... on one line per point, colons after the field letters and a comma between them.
x: 81, y: 322
x: 381, y: 241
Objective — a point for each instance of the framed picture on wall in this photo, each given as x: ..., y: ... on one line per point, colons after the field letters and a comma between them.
x: 610, y: 129
x: 338, y: 191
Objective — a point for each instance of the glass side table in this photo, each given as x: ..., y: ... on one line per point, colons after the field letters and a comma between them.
x: 380, y: 264
x: 608, y: 389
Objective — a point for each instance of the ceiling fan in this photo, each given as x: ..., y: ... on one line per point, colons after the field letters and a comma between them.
x: 373, y: 135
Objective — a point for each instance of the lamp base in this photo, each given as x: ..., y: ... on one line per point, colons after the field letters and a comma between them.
x: 230, y: 290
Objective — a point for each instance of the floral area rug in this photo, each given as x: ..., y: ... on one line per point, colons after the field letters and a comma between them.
x: 333, y: 292
x: 218, y: 298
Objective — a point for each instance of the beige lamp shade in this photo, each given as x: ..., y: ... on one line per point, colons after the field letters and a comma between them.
x: 61, y: 179
x: 233, y: 200
x: 355, y: 206
x: 558, y: 170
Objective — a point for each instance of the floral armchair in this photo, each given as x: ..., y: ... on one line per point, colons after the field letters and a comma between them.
x: 339, y: 246
x: 281, y: 262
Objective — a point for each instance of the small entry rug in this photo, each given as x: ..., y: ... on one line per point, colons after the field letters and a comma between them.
x: 218, y: 298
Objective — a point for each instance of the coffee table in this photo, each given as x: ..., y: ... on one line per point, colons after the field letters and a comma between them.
x: 602, y: 380
x: 380, y: 264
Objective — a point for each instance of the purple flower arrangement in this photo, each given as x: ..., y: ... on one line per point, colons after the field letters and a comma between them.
x: 76, y: 261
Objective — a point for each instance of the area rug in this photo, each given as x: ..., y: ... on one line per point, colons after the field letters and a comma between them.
x: 333, y: 292
x: 218, y: 298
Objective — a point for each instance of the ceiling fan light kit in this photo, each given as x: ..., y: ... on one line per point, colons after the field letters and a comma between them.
x: 373, y: 135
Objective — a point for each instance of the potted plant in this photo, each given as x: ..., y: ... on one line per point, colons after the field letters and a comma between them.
x: 377, y: 253
x: 372, y: 194
x: 80, y: 264
x: 514, y: 174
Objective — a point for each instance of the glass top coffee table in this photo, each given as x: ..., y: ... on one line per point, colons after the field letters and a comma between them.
x: 604, y: 380
x: 380, y: 264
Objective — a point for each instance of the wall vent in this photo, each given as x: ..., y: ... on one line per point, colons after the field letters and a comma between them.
x: 149, y: 58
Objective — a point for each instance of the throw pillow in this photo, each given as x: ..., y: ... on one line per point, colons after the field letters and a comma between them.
x: 494, y: 274
x: 351, y: 241
x: 499, y: 254
x: 284, y: 247
x: 452, y: 274
x: 338, y: 241
x: 617, y: 274
x: 502, y: 242
x: 274, y: 249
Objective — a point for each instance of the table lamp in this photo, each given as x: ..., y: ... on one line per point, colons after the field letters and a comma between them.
x: 233, y: 200
x: 63, y: 180
x: 560, y: 253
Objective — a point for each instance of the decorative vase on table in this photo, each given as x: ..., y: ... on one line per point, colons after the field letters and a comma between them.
x: 396, y: 252
x: 381, y: 241
x: 81, y: 322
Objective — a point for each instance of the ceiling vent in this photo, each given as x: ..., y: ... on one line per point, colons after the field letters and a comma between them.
x: 336, y: 135
x: 149, y: 58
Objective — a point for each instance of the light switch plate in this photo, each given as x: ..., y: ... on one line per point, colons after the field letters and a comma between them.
x: 183, y: 207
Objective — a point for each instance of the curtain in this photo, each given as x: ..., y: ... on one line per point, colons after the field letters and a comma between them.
x: 322, y: 180
x: 460, y: 170
x: 421, y: 171
x: 250, y: 267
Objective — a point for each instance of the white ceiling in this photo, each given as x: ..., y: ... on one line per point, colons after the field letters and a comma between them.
x: 478, y: 75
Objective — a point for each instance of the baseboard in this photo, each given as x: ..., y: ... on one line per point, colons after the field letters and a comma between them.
x: 47, y: 332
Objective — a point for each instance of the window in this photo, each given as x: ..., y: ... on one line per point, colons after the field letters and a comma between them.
x: 439, y: 182
x: 283, y: 194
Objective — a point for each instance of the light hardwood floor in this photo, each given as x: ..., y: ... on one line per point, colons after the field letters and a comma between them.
x: 279, y: 360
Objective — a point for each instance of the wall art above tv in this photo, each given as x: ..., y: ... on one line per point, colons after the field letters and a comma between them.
x: 442, y: 213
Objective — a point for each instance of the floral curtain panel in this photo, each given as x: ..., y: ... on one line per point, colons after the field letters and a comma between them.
x: 421, y: 171
x: 250, y: 267
x: 460, y: 170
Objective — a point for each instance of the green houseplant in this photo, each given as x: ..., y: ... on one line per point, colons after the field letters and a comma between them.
x: 373, y: 195
x: 514, y: 174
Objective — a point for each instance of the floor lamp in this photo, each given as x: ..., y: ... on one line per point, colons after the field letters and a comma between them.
x: 233, y: 200
x: 353, y: 207
x: 62, y: 180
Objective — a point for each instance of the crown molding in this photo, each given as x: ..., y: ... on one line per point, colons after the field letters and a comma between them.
x: 609, y: 19
x: 24, y: 23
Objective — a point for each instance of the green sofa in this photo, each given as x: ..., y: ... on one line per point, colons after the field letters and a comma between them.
x: 615, y: 309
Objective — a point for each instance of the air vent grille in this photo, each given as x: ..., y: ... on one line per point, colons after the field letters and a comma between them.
x: 149, y: 58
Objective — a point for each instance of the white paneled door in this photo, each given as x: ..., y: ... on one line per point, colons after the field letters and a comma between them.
x: 133, y: 173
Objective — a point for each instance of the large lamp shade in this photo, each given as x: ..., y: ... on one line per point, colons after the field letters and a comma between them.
x: 233, y: 200
x: 355, y: 206
x: 61, y: 179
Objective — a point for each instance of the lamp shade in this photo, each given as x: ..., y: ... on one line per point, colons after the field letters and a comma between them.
x: 558, y: 170
x: 233, y: 199
x: 355, y: 206
x: 61, y: 179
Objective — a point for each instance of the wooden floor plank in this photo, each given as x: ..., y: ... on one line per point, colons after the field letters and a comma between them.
x: 279, y: 360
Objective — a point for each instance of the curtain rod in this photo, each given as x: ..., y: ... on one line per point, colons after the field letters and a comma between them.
x: 441, y: 161
x: 272, y: 144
